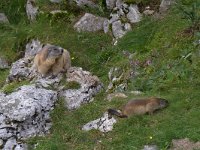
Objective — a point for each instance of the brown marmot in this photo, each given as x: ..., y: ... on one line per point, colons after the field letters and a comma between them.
x: 140, y: 107
x: 52, y: 59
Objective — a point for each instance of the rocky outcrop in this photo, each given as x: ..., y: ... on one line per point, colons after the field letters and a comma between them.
x: 90, y: 85
x: 91, y: 23
x: 121, y: 12
x: 3, y: 63
x: 31, y: 10
x: 25, y: 113
x: 103, y: 124
x: 3, y: 18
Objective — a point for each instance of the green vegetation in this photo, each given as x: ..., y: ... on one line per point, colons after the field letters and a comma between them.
x: 173, y: 73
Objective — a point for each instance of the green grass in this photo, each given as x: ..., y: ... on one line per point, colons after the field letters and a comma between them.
x: 173, y: 74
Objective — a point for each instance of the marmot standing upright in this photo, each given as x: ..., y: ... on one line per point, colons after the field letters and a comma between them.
x: 140, y: 107
x: 52, y: 59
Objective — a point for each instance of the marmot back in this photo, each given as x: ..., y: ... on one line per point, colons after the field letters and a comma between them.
x: 52, y: 59
x: 140, y: 107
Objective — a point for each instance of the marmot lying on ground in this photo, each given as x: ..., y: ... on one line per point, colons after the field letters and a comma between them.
x: 140, y: 107
x: 52, y: 59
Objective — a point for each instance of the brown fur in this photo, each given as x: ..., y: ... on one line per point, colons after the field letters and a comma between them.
x: 52, y: 59
x: 140, y: 107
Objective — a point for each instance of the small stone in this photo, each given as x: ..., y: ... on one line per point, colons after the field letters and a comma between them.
x: 3, y: 18
x: 1, y: 142
x: 103, y: 124
x: 117, y: 29
x: 55, y: 1
x: 150, y: 147
x: 110, y: 4
x: 115, y: 95
x: 134, y: 15
x: 31, y: 10
x: 3, y: 63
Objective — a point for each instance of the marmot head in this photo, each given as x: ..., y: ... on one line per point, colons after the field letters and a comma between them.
x: 163, y: 103
x: 54, y: 51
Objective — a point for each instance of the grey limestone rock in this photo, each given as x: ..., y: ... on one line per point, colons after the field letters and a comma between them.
x: 165, y: 5
x: 118, y: 30
x: 103, y: 124
x: 90, y: 85
x: 20, y: 70
x: 134, y: 15
x: 3, y: 63
x: 110, y: 4
x: 31, y: 10
x: 82, y: 3
x: 150, y: 147
x: 32, y: 48
x: 25, y: 113
x: 3, y: 18
x: 55, y: 1
x: 90, y: 23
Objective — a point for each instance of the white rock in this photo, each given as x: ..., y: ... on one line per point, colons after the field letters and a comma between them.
x: 55, y: 1
x: 134, y: 15
x: 165, y: 4
x: 33, y: 47
x: 25, y: 112
x: 3, y: 18
x: 103, y: 124
x: 114, y: 17
x: 3, y: 63
x: 148, y: 12
x: 110, y: 4
x: 106, y: 26
x: 90, y: 23
x: 90, y: 85
x: 82, y: 3
x: 119, y: 4
x: 150, y: 147
x: 117, y: 29
x: 31, y: 10
x: 127, y: 27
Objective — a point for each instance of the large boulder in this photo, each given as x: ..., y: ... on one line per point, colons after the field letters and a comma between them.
x: 90, y: 85
x: 91, y: 23
x: 25, y: 113
x: 3, y: 18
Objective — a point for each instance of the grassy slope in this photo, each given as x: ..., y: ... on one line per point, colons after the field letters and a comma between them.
x: 179, y: 83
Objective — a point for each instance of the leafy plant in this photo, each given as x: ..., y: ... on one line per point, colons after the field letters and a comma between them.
x: 192, y: 13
